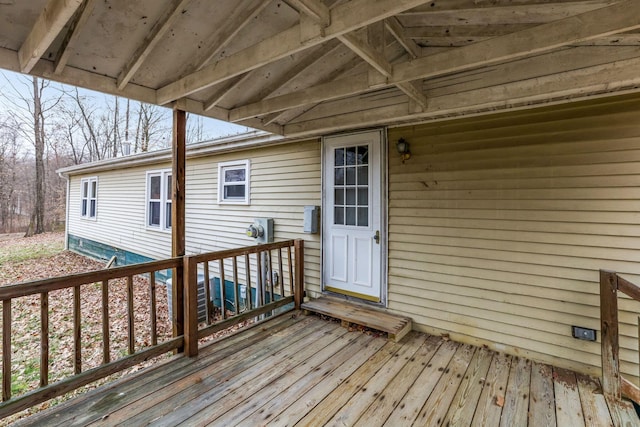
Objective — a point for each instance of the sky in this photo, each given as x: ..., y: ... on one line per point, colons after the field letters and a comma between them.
x: 212, y: 128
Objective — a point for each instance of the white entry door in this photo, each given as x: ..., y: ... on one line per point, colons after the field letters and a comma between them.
x: 352, y: 215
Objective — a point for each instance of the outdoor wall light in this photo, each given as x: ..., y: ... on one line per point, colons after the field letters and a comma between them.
x: 403, y: 149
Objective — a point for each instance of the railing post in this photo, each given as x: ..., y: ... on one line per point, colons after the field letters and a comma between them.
x: 298, y: 293
x: 611, y: 382
x: 190, y: 307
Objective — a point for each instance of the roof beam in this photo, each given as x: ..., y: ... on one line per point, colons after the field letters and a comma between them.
x: 358, y: 44
x: 153, y: 38
x: 621, y: 17
x: 51, y: 21
x: 225, y: 90
x: 397, y: 31
x: 558, y: 88
x: 239, y: 19
x: 344, y: 18
x: 79, y: 20
x: 315, y: 9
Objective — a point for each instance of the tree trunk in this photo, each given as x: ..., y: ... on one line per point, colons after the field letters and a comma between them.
x: 37, y: 218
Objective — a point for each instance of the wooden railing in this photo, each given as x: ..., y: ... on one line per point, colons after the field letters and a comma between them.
x: 614, y: 386
x: 264, y: 269
x: 265, y: 294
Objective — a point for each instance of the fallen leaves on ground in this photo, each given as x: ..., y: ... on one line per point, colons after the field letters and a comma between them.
x: 26, y: 324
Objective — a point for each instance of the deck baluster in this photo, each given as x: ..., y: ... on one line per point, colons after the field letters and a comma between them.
x: 106, y: 351
x: 44, y: 339
x: 207, y: 293
x: 236, y: 300
x: 132, y: 348
x: 247, y: 270
x: 299, y: 287
x: 259, y: 283
x: 6, y: 350
x: 77, y: 328
x: 281, y: 276
x: 269, y: 261
x: 153, y: 308
x: 290, y: 269
x: 223, y: 294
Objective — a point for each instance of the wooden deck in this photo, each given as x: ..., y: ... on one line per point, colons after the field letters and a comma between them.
x: 301, y: 370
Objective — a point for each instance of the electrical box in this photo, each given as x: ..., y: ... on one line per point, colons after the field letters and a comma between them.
x: 261, y: 230
x: 311, y: 219
x: 581, y: 333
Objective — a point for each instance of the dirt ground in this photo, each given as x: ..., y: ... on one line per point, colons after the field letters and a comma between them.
x: 23, y: 259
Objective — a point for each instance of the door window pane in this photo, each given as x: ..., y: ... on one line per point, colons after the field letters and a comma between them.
x: 363, y: 175
x: 339, y: 196
x: 351, y: 215
x: 363, y: 196
x: 363, y: 217
x: 339, y: 176
x: 339, y: 161
x: 350, y: 154
x: 351, y: 176
x: 351, y: 196
x: 363, y: 155
x: 338, y: 215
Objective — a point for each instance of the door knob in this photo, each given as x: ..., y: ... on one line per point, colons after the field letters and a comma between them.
x: 376, y: 237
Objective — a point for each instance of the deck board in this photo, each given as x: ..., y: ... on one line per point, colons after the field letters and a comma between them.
x: 302, y: 370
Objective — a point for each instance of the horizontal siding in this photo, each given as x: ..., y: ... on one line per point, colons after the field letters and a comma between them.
x: 498, y: 226
x: 283, y: 180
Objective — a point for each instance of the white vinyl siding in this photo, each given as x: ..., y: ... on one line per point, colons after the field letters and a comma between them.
x: 284, y: 179
x: 499, y: 225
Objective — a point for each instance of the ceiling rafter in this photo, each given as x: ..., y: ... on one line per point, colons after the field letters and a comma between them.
x: 315, y: 9
x: 241, y: 17
x: 339, y: 72
x: 50, y: 22
x: 344, y: 18
x: 150, y: 42
x: 398, y: 32
x: 73, y: 34
x: 558, y: 88
x: 228, y: 86
x: 440, y: 6
x: 620, y: 17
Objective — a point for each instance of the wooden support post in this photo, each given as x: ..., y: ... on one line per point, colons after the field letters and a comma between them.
x: 191, y: 307
x: 177, y: 215
x: 299, y: 283
x: 77, y: 331
x: 611, y: 383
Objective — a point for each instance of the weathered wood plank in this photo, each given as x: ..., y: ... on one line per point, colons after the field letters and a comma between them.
x: 489, y: 409
x: 610, y: 342
x: 77, y: 329
x: 594, y: 405
x: 299, y: 406
x: 516, y: 400
x: 131, y: 324
x: 568, y: 406
x: 106, y: 337
x: 541, y: 400
x: 387, y: 401
x: 395, y: 326
x: 218, y: 394
x: 437, y: 406
x: 309, y: 359
x: 413, y: 401
x: 342, y: 363
x: 137, y: 386
x: 6, y: 349
x: 337, y: 397
x: 622, y: 413
x: 466, y: 399
x: 191, y: 394
x: 376, y: 386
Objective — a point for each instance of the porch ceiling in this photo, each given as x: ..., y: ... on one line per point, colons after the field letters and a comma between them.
x: 307, y: 67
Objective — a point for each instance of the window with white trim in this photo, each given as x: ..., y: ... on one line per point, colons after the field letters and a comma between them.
x: 89, y: 197
x: 233, y: 182
x: 159, y: 199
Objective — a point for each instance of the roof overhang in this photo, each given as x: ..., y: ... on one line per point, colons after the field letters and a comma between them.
x: 311, y: 67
